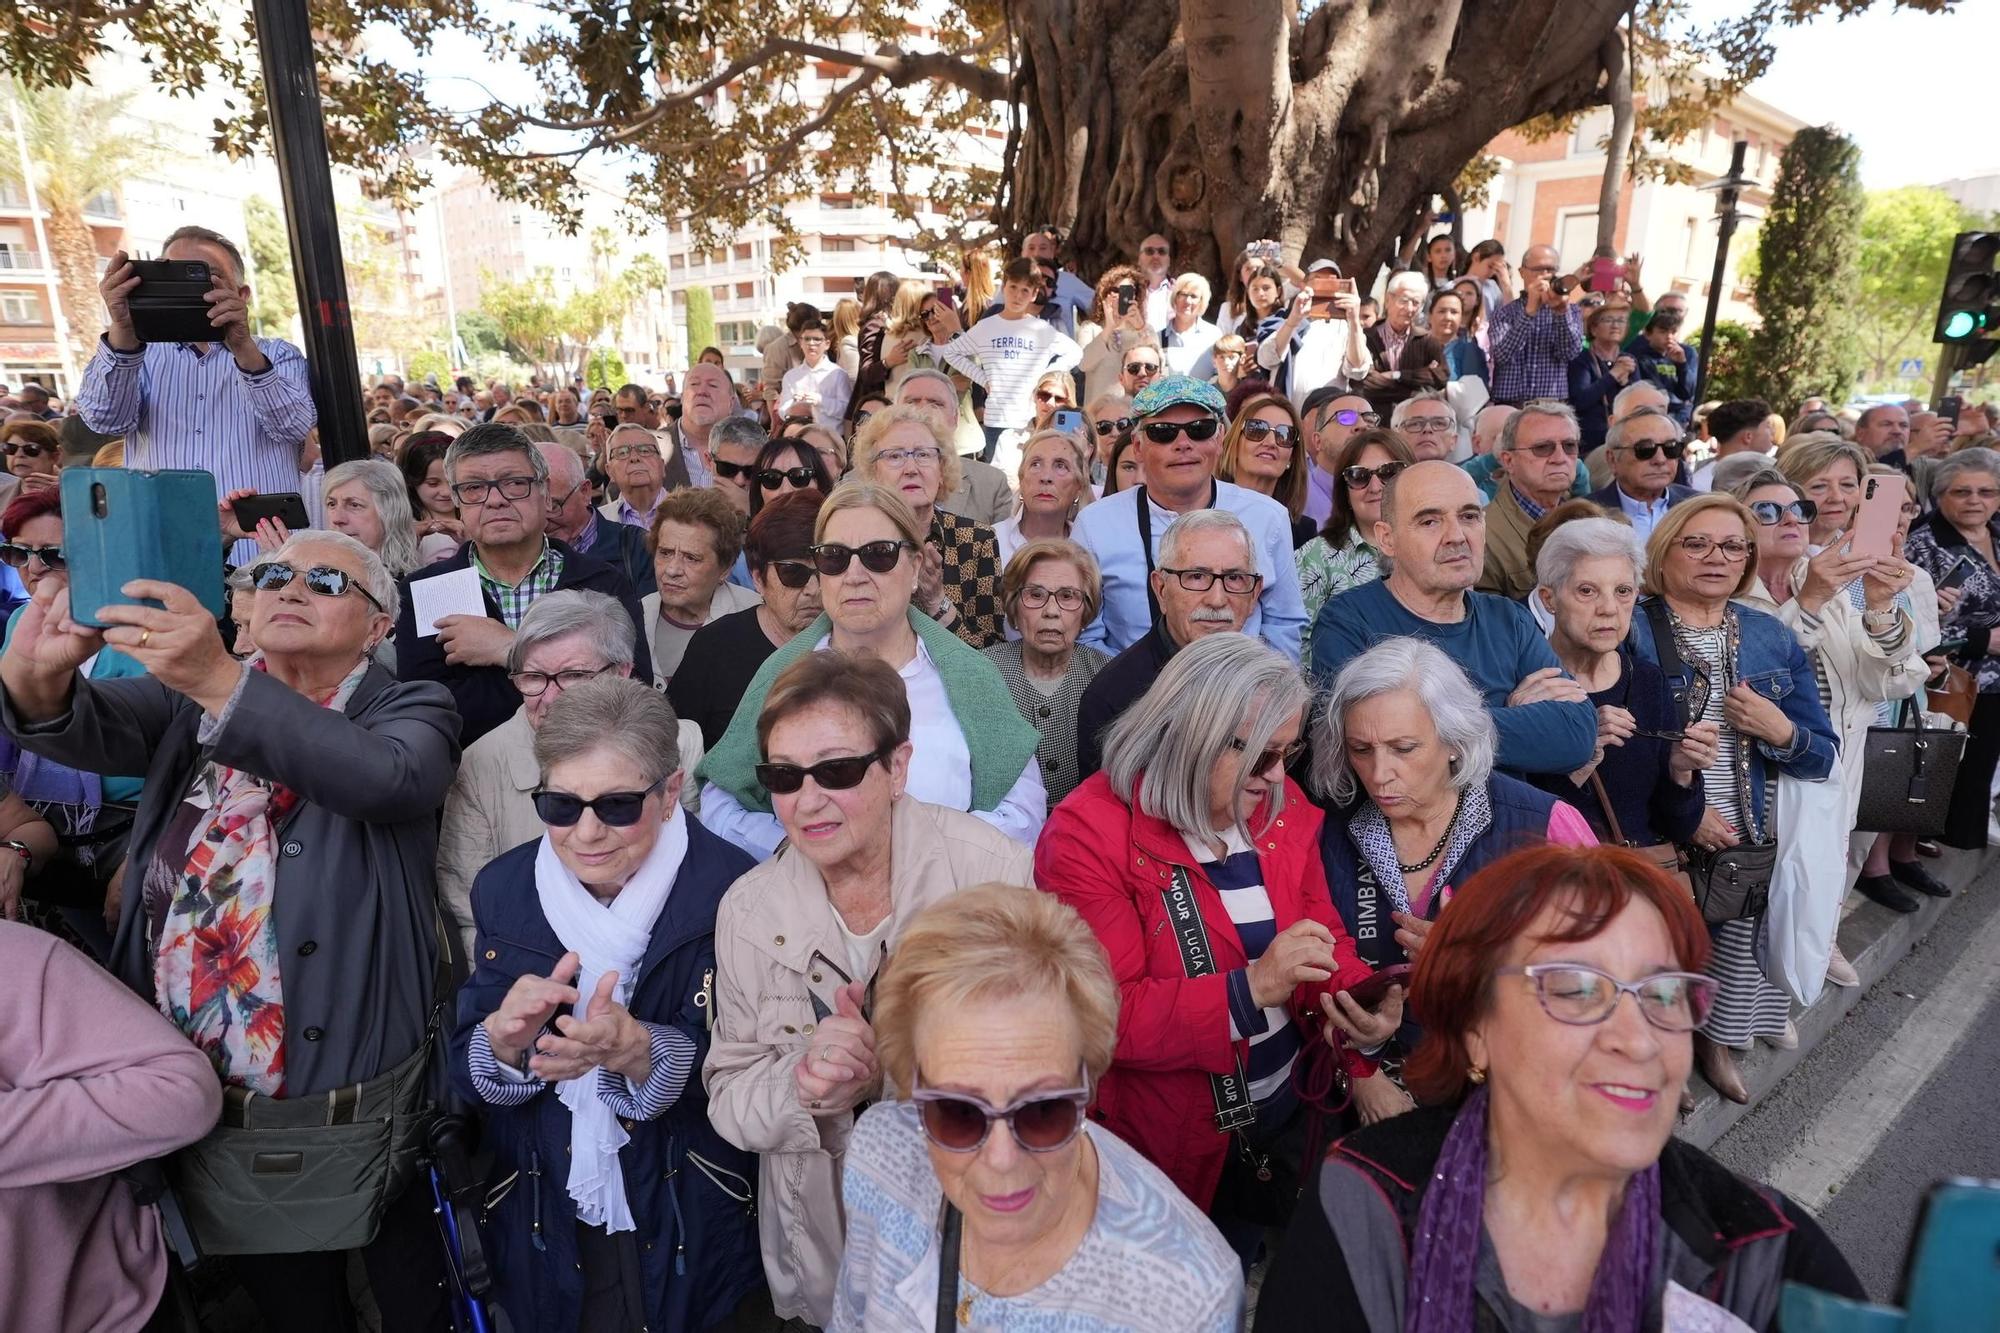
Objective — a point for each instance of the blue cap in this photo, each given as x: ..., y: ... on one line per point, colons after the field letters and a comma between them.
x: 1178, y: 391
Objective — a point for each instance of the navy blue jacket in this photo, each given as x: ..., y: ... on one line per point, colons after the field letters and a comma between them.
x: 623, y: 547
x: 698, y: 1249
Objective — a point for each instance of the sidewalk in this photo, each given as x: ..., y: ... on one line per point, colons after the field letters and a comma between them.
x: 1874, y: 940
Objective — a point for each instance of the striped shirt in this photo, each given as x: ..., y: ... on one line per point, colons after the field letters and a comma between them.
x: 516, y: 598
x: 1006, y: 357
x: 179, y: 408
x: 1274, y: 1038
x: 673, y: 1062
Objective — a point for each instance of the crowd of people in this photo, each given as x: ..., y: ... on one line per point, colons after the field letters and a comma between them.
x: 1045, y: 800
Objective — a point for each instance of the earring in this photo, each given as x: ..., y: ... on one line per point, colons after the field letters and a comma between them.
x: 1452, y: 765
x: 1476, y: 1075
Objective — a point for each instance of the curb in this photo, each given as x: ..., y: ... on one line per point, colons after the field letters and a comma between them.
x: 1874, y: 939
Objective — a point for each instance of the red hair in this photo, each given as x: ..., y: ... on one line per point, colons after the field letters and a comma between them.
x: 1450, y: 991
x: 26, y: 506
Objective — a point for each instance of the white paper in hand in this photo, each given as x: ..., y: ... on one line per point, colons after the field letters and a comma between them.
x: 453, y: 594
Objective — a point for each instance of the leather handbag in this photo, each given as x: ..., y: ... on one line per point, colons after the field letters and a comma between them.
x: 1662, y: 854
x: 1957, y: 696
x: 1732, y: 883
x: 1907, y: 775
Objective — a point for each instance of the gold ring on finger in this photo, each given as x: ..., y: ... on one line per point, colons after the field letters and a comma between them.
x: 144, y: 635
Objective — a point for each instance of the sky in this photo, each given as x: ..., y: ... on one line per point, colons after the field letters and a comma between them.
x: 1908, y: 87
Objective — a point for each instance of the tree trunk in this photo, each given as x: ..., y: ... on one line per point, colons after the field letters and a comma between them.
x: 1617, y: 149
x: 75, y: 258
x: 1219, y: 123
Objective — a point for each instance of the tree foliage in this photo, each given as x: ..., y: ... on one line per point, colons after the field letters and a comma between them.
x: 1728, y: 361
x: 1806, y: 273
x: 480, y: 332
x: 1905, y: 248
x: 700, y: 321
x: 605, y: 370
x: 274, y: 297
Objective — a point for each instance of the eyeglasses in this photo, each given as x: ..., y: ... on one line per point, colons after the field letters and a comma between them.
x: 1234, y: 581
x: 1538, y: 268
x: 534, y: 684
x: 838, y: 774
x: 1039, y: 1122
x: 1769, y: 513
x: 922, y: 456
x: 1671, y: 448
x: 1166, y: 432
x: 1428, y: 426
x: 17, y: 556
x: 13, y: 447
x: 1281, y: 755
x: 614, y: 809
x: 1973, y: 493
x: 1358, y: 477
x: 794, y: 573
x: 1112, y: 427
x: 729, y: 471
x: 1698, y: 546
x: 473, y: 493
x: 1255, y: 431
x: 322, y: 579
x: 1050, y: 396
x: 1583, y: 996
x: 772, y: 478
x: 1137, y: 368
x: 1154, y: 250
x: 1348, y: 416
x: 625, y: 451
x: 1035, y: 596
x: 1547, y: 448
x: 832, y: 559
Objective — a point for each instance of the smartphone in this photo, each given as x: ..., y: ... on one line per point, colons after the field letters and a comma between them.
x: 1128, y: 296
x: 120, y: 525
x: 1948, y: 408
x: 1956, y: 575
x: 168, y: 305
x: 1067, y: 420
x: 1369, y: 992
x: 1604, y: 274
x: 288, y: 507
x: 1881, y: 513
x: 610, y: 421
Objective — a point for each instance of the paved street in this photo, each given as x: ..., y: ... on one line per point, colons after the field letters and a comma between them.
x: 1901, y: 1094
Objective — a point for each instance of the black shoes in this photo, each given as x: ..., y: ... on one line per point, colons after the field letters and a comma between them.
x: 1881, y: 889
x: 1912, y: 874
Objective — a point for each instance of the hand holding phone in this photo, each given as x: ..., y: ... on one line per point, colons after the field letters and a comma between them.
x: 1067, y: 420
x: 1956, y: 576
x: 1369, y: 992
x: 1881, y: 513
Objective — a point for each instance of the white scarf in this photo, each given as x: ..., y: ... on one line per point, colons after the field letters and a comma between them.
x: 605, y: 937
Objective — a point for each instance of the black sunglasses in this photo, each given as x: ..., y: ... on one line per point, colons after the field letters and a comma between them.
x: 17, y: 556
x: 322, y: 579
x: 831, y: 558
x: 731, y: 471
x: 794, y: 573
x: 772, y: 478
x: 1358, y: 477
x: 1769, y: 513
x: 831, y: 774
x: 1141, y: 368
x: 614, y: 809
x: 1166, y: 432
x: 1112, y: 427
x: 13, y: 447
x: 1671, y: 448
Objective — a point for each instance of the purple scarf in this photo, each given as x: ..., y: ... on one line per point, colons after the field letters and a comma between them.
x: 1444, y: 1260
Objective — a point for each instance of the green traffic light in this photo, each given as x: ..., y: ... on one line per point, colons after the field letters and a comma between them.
x: 1961, y: 324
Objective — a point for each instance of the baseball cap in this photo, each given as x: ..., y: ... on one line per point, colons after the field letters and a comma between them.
x: 1323, y: 266
x: 1178, y: 391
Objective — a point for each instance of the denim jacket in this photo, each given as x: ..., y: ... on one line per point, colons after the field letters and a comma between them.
x: 1770, y: 660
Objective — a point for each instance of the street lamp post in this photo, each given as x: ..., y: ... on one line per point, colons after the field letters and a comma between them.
x: 1727, y: 216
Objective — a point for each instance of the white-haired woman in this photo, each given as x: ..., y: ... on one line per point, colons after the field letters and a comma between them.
x: 1403, y: 759
x: 1054, y: 483
x: 369, y: 501
x: 1643, y: 787
x: 1196, y: 862
x: 1188, y: 340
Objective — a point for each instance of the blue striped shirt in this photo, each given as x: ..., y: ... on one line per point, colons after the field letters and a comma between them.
x: 178, y: 408
x: 673, y: 1062
x: 1274, y: 1038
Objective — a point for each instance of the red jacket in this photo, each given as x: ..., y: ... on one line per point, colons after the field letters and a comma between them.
x: 1109, y: 861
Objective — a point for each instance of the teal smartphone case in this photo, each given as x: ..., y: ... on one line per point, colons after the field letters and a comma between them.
x: 120, y: 525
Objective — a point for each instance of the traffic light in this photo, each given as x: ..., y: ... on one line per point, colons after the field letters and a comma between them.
x: 1970, y: 310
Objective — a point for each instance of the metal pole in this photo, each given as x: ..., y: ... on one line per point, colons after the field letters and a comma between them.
x: 1725, y: 231
x: 456, y: 353
x: 298, y: 139
x: 51, y: 283
x: 1947, y: 366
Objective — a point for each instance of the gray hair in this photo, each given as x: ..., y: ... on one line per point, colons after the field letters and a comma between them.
x: 1538, y: 407
x: 565, y: 468
x: 375, y: 575
x: 1402, y: 409
x: 1587, y: 539
x: 1977, y: 459
x: 1181, y: 728
x: 494, y: 438
x: 1454, y: 705
x: 1762, y: 475
x: 1197, y: 521
x: 925, y: 373
x: 1633, y: 391
x: 1729, y: 473
x: 385, y: 486
x: 1614, y: 438
x: 737, y: 432
x: 613, y: 713
x: 575, y: 611
x: 630, y: 428
x: 1409, y: 278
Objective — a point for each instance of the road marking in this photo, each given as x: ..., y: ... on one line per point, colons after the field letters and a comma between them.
x: 1847, y: 1130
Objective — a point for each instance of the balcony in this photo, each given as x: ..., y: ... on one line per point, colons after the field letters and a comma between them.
x: 19, y: 261
x: 103, y: 207
x: 12, y: 195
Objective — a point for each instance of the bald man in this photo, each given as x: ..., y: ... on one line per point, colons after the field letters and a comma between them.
x: 575, y: 521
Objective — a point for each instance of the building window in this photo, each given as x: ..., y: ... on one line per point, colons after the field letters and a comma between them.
x: 836, y: 245
x: 677, y: 263
x: 745, y: 290
x: 21, y: 308
x: 743, y: 250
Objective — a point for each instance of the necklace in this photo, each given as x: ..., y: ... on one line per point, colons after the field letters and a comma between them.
x: 1438, y: 850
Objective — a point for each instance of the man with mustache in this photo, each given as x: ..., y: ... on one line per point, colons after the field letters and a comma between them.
x: 1203, y: 553
x: 1432, y: 536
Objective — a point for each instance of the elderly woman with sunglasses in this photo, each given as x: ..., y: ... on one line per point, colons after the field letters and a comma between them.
x: 971, y: 749
x: 33, y: 454
x: 1343, y: 555
x: 265, y: 879
x: 1196, y: 862
x: 794, y: 461
x: 997, y: 1021
x: 582, y: 1031
x: 1542, y: 1186
x: 801, y: 940
x: 1744, y: 670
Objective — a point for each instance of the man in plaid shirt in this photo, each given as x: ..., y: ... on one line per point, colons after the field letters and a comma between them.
x: 1534, y: 337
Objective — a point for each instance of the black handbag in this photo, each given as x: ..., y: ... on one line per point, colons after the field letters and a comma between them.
x: 1907, y: 774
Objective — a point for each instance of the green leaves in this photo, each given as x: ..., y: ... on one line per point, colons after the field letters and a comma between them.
x: 1807, y: 277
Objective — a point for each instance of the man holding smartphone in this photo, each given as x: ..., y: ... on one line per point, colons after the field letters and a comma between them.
x: 239, y: 408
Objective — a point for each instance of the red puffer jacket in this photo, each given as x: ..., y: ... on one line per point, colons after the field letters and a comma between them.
x: 1110, y: 861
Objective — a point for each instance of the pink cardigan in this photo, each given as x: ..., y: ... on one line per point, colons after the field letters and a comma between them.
x: 92, y: 1080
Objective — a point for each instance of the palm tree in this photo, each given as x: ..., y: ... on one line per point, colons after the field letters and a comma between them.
x: 79, y: 146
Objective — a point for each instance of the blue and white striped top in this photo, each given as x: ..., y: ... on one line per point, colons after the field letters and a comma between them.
x: 1275, y: 1040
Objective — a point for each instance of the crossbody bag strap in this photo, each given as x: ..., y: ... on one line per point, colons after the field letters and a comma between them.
x: 1610, y: 815
x: 1665, y: 646
x: 1234, y: 1108
x: 951, y: 1228
x: 1146, y: 544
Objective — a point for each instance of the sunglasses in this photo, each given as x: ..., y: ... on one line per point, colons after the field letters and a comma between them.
x: 1348, y: 416
x: 1112, y: 427
x: 831, y: 558
x: 322, y: 579
x: 772, y: 478
x: 1040, y: 1122
x: 831, y: 774
x: 1358, y: 477
x: 794, y: 573
x: 1166, y: 432
x: 1256, y: 431
x: 17, y: 556
x: 1547, y: 448
x: 1281, y: 755
x: 1142, y: 368
x: 12, y: 448
x: 614, y: 809
x: 1671, y: 448
x: 1769, y: 513
x: 728, y: 471
x: 1050, y: 396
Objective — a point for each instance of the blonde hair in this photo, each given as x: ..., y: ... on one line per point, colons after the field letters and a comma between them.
x: 978, y: 274
x: 906, y: 308
x: 1667, y: 533
x: 1291, y: 488
x: 995, y: 942
x: 1015, y: 577
x: 846, y: 320
x: 868, y: 442
x: 1812, y: 453
x: 1196, y: 283
x: 1063, y: 383
x: 857, y: 493
x: 111, y: 455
